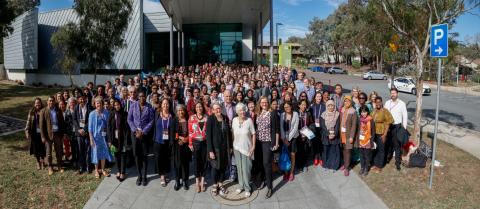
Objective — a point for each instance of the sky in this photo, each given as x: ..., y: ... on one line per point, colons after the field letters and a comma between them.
x: 295, y: 16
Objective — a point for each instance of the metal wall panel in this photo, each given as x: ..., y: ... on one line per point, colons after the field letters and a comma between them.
x: 20, y: 47
x: 156, y: 22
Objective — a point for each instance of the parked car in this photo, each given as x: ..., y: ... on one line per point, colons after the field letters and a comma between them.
x: 374, y: 75
x: 407, y: 84
x: 318, y: 69
x: 336, y: 70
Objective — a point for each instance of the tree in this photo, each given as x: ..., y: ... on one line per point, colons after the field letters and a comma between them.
x: 67, y: 44
x: 101, y: 26
x: 412, y: 20
x: 9, y: 10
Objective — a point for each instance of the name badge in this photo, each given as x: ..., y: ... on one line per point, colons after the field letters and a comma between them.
x: 73, y: 129
x: 116, y: 134
x: 165, y: 135
x: 344, y: 129
x: 104, y: 133
x: 361, y: 137
x: 82, y: 123
x: 54, y: 127
x: 317, y: 123
x: 38, y: 130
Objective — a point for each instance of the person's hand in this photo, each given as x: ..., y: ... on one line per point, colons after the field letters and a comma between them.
x: 191, y: 148
x: 212, y: 155
x: 109, y: 144
x: 81, y: 132
x: 384, y: 138
x: 351, y: 140
x: 92, y: 143
x: 251, y: 151
x: 43, y: 140
x: 180, y: 142
x: 27, y: 136
x: 286, y: 142
x: 275, y: 147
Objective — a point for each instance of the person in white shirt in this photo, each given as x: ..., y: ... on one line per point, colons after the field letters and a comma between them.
x: 243, y: 146
x: 398, y: 109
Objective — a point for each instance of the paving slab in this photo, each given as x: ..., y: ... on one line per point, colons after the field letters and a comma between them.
x: 316, y: 188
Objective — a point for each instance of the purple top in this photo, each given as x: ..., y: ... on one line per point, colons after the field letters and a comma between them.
x: 140, y: 119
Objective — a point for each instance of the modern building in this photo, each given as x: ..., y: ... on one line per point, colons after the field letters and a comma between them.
x: 160, y: 33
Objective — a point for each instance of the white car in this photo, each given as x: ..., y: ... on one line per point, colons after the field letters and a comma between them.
x: 336, y: 70
x: 370, y: 75
x: 407, y: 84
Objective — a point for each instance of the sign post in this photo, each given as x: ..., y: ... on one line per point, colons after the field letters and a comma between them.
x: 438, y: 49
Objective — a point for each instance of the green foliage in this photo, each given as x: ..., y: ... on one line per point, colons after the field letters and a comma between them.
x: 301, y: 62
x: 10, y: 9
x: 66, y: 42
x: 101, y: 26
x: 356, y: 64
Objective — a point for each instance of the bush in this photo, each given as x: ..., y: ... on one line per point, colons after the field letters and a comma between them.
x: 356, y: 64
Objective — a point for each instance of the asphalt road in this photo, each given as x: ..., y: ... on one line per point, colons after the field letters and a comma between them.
x: 455, y: 108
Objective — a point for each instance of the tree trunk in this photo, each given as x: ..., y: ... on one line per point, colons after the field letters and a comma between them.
x: 95, y: 78
x: 419, y: 99
x: 381, y: 62
x: 71, y: 79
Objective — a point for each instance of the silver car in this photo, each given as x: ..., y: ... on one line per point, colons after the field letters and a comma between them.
x: 374, y: 75
x: 336, y: 70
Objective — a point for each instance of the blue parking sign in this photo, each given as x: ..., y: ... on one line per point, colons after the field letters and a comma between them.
x: 439, y: 41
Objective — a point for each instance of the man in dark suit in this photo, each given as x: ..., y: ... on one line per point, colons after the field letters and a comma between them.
x: 52, y: 131
x: 80, y: 122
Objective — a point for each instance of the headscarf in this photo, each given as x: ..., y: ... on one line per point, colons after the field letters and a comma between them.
x: 330, y: 117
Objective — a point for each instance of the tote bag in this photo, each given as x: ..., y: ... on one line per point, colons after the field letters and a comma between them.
x: 284, y: 163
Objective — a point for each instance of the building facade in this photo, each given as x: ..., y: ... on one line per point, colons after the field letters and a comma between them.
x: 168, y: 32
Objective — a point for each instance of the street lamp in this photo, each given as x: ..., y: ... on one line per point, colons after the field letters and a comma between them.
x: 278, y: 44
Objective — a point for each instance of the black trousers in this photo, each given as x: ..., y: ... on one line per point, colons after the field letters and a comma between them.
x: 303, y: 152
x: 83, y: 153
x: 365, y: 158
x: 140, y: 151
x: 397, y: 147
x: 379, y: 154
x: 218, y: 175
x: 200, y: 158
x: 267, y: 159
x: 74, y: 147
x: 182, y: 164
x: 121, y: 160
x: 162, y: 157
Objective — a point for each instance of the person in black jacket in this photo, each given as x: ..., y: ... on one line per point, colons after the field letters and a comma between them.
x: 181, y: 153
x: 219, y: 147
x: 330, y: 135
x: 80, y: 122
x: 116, y: 133
x: 268, y: 130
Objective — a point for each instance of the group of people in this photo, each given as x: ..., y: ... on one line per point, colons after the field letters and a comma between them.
x: 230, y: 120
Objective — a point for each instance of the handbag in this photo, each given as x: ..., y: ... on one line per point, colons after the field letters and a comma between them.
x: 417, y: 160
x: 284, y: 163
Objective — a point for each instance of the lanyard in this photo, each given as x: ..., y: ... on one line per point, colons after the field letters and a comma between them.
x: 316, y: 110
x: 165, y: 127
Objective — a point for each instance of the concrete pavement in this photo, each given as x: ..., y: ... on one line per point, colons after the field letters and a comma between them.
x: 315, y: 188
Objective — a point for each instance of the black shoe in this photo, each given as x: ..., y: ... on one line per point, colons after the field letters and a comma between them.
x: 398, y: 167
x: 185, y: 186
x: 262, y: 185
x: 144, y: 181
x: 177, y: 186
x: 269, y: 194
x: 139, y: 181
x: 80, y: 172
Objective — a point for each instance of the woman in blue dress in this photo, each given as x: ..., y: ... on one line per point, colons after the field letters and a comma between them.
x: 97, y: 127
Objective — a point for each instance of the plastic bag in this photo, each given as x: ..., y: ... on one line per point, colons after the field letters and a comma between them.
x: 284, y: 163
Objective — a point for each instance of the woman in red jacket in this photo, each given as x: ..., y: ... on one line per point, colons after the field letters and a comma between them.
x: 196, y: 136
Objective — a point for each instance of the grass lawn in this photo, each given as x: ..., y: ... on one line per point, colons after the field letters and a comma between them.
x: 21, y: 184
x: 455, y: 185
